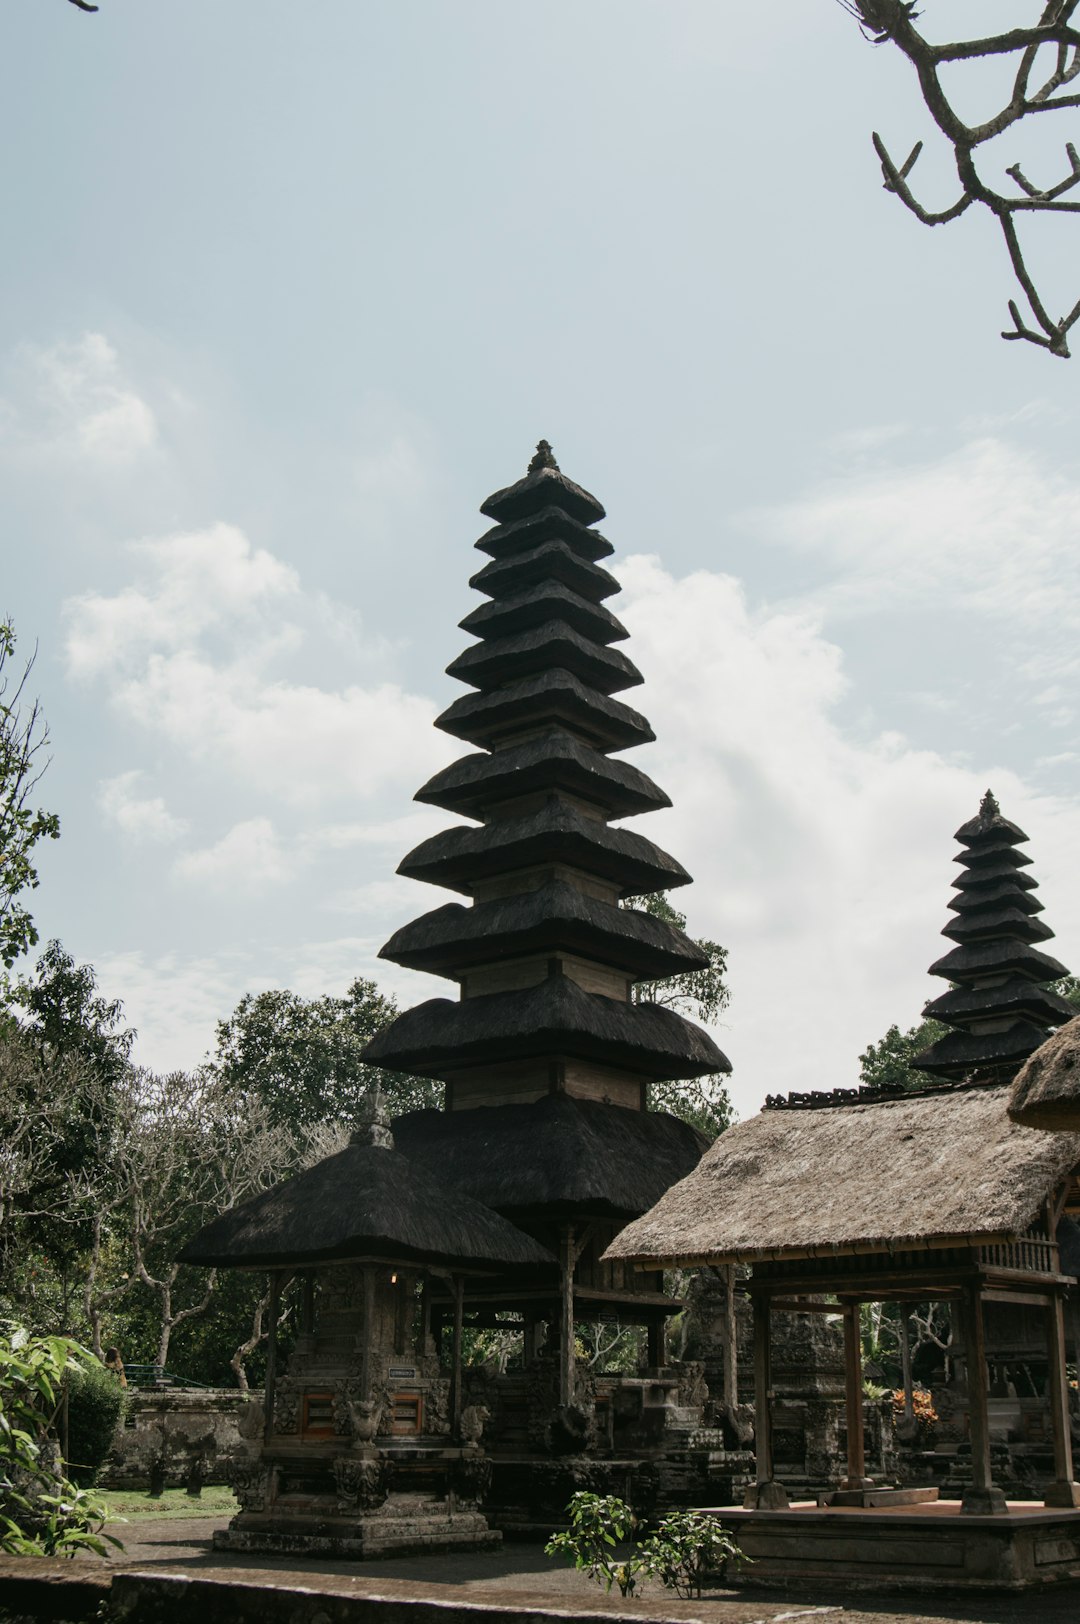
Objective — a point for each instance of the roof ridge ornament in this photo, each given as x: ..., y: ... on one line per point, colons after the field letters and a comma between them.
x: 544, y: 458
x: 373, y: 1121
x: 988, y: 807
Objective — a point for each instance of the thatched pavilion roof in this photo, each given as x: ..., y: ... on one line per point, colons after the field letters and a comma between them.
x: 1046, y: 1093
x: 922, y: 1170
x: 363, y: 1202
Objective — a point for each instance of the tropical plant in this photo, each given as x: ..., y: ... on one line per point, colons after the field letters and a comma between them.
x: 41, y: 1512
x: 600, y: 1524
x: 686, y: 1546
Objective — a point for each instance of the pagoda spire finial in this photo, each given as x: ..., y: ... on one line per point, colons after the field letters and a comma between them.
x: 988, y: 807
x: 544, y: 458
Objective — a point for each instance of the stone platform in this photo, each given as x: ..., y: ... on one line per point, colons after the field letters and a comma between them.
x: 930, y: 1546
x: 405, y: 1525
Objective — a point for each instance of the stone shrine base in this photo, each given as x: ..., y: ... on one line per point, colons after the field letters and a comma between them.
x: 406, y: 1524
x: 930, y: 1546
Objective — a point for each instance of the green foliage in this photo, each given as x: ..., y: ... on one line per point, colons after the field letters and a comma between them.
x: 686, y: 1546
x: 702, y: 995
x: 41, y: 1512
x: 1069, y: 989
x: 60, y: 1006
x: 23, y: 735
x: 303, y: 1057
x: 599, y: 1525
x: 96, y: 1402
x: 889, y: 1062
x: 600, y: 1542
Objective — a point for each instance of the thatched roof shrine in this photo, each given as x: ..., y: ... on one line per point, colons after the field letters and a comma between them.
x: 365, y: 1202
x: 922, y: 1171
x: 999, y: 1006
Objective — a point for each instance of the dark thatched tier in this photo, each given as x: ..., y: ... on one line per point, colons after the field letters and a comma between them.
x: 556, y: 917
x: 508, y: 659
x: 985, y: 925
x: 554, y: 698
x: 505, y: 617
x: 550, y: 561
x: 542, y: 487
x: 560, y: 1155
x: 790, y: 1184
x: 459, y: 858
x: 1003, y: 868
x: 1015, y: 892
x: 1015, y: 996
x: 990, y: 853
x: 1047, y: 1090
x: 548, y: 762
x: 989, y: 828
x: 549, y: 524
x: 363, y: 1202
x: 556, y: 1018
x: 958, y: 1054
x: 986, y: 958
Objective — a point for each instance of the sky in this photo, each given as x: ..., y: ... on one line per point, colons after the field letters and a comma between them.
x: 287, y: 291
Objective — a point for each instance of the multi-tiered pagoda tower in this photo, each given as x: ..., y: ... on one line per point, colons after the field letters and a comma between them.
x: 546, y: 1057
x: 999, y: 1007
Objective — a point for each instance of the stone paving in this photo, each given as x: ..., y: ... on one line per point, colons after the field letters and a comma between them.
x: 520, y: 1576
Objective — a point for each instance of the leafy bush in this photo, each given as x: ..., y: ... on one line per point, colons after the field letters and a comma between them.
x: 41, y: 1512
x: 96, y: 1402
x: 685, y: 1546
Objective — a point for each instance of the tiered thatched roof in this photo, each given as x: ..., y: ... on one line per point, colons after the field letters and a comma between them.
x: 365, y: 1202
x: 920, y: 1171
x: 1047, y: 1090
x: 999, y: 1007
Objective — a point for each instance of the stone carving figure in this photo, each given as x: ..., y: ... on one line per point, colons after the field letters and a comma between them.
x: 474, y: 1417
x: 365, y: 1414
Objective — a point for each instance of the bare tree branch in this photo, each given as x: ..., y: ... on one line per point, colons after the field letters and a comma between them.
x: 893, y: 22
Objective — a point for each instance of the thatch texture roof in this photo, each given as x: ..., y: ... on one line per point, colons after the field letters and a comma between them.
x: 1046, y: 1093
x: 916, y: 1171
x: 561, y: 1154
x: 556, y: 834
x: 533, y: 605
x: 555, y: 916
x: 555, y: 1017
x: 363, y: 1202
x: 547, y: 524
x: 552, y: 697
x: 540, y: 488
x: 548, y: 761
x: 1014, y: 996
x: 506, y: 659
x: 548, y: 561
x: 989, y: 958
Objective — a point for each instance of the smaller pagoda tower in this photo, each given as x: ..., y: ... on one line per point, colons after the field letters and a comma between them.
x: 999, y: 1005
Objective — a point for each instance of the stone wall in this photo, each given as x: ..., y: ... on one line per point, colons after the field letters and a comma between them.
x: 181, y: 1428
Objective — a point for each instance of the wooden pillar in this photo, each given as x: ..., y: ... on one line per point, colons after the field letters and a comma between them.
x: 1063, y: 1491
x: 271, y: 1356
x: 905, y: 1363
x: 853, y: 1401
x: 766, y: 1494
x: 368, y: 1331
x: 982, y: 1497
x: 567, y: 1259
x: 731, y: 1342
x: 455, y: 1374
x: 657, y: 1332
x: 307, y: 1312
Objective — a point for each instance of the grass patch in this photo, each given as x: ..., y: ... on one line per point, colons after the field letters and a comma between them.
x: 137, y: 1506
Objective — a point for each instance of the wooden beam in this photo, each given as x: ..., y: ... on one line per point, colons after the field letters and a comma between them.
x: 853, y: 1401
x: 766, y: 1494
x: 1064, y: 1491
x: 567, y: 1259
x: 271, y: 1356
x: 982, y: 1497
x: 455, y: 1372
x: 730, y: 1342
x: 368, y: 1331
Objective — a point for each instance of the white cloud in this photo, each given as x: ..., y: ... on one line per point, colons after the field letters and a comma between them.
x: 142, y: 817
x: 822, y: 862
x: 74, y: 400
x: 250, y: 857
x: 991, y: 528
x: 192, y: 651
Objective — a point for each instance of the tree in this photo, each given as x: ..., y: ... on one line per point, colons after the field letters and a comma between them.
x: 24, y: 737
x: 888, y: 1063
x: 702, y: 995
x: 304, y: 1057
x: 1043, y: 58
